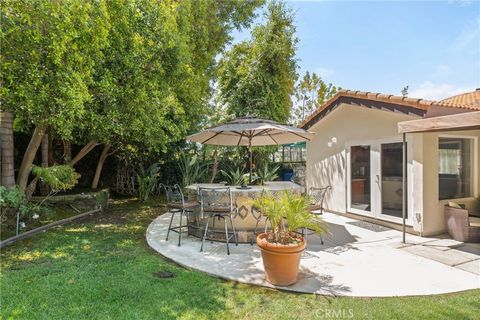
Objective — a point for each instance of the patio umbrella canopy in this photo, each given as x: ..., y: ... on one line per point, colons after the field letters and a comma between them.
x: 251, y: 131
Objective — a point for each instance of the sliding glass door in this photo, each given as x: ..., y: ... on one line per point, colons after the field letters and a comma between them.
x: 375, y: 179
x: 392, y: 182
x: 360, y: 178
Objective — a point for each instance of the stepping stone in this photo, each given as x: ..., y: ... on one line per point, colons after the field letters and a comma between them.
x: 443, y: 243
x: 449, y: 257
x: 472, y: 266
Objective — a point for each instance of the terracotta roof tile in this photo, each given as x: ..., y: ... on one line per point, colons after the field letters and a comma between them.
x: 469, y: 100
x: 421, y: 104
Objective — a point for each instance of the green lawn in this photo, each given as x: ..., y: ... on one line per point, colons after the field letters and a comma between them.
x: 102, y: 268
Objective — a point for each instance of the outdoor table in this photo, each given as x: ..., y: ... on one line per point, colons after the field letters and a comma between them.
x: 245, y: 221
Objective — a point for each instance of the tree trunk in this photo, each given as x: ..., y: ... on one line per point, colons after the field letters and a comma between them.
x: 85, y: 150
x: 29, y: 156
x: 44, y: 188
x: 67, y: 151
x: 51, y: 160
x: 6, y: 152
x: 101, y: 160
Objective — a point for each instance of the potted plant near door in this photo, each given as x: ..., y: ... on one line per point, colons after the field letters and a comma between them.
x: 283, y: 246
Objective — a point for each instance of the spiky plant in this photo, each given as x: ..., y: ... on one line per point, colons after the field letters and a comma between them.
x: 288, y: 212
x: 267, y: 173
x: 234, y: 177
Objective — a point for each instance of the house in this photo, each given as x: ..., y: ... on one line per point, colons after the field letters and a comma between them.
x: 357, y: 150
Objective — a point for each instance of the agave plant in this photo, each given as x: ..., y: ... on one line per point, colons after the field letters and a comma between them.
x: 192, y: 169
x: 147, y: 180
x: 288, y: 212
x: 234, y: 177
x: 267, y: 174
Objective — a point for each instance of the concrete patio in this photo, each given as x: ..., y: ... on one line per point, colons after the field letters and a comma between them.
x: 356, y: 260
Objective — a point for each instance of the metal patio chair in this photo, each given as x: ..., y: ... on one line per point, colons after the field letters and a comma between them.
x: 217, y: 203
x: 176, y: 204
x: 317, y: 195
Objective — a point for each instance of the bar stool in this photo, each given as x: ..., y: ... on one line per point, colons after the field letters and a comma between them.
x: 258, y: 215
x: 176, y: 204
x: 217, y: 203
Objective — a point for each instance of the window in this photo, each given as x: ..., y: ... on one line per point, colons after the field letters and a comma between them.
x: 455, y: 168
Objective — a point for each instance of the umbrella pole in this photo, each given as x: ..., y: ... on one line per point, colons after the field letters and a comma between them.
x: 251, y: 161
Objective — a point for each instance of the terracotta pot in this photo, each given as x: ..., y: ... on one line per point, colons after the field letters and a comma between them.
x: 281, y: 262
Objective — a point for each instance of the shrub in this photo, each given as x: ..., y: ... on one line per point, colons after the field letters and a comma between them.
x: 11, y: 200
x: 147, y: 181
x: 58, y: 177
x: 191, y: 169
x: 234, y: 177
x: 267, y: 173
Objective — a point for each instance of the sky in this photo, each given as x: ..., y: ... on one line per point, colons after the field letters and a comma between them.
x: 383, y: 46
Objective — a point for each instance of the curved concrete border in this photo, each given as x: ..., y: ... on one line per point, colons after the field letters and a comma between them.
x: 354, y: 262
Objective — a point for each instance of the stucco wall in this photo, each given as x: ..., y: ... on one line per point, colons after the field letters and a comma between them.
x: 327, y: 165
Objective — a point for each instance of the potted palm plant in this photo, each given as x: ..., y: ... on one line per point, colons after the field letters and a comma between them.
x: 282, y: 247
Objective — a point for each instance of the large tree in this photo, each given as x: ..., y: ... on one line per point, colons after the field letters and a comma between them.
x: 310, y: 92
x: 124, y: 73
x: 48, y: 53
x: 153, y: 82
x: 257, y: 77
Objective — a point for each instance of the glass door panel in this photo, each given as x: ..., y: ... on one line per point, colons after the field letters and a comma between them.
x: 360, y: 178
x: 391, y: 179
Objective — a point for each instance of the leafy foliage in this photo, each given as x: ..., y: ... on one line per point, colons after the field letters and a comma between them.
x: 234, y: 177
x: 191, y: 169
x: 133, y: 74
x: 58, y: 177
x: 49, y: 50
x: 267, y: 173
x: 310, y: 93
x: 11, y: 197
x: 12, y: 202
x: 290, y: 208
x: 257, y: 77
x: 147, y: 181
x: 153, y: 80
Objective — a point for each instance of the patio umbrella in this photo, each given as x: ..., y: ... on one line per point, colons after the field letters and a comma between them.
x: 251, y: 131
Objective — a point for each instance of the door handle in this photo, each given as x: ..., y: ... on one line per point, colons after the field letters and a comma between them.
x: 377, y: 176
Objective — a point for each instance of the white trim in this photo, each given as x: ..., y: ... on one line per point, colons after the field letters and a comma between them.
x: 348, y: 146
x: 375, y: 168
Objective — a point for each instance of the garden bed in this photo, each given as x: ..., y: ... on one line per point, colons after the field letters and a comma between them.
x: 58, y: 207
